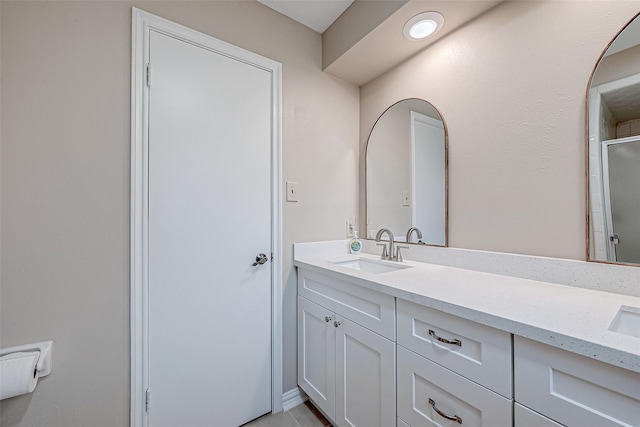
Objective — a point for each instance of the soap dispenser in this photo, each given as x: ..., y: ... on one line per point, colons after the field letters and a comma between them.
x: 355, y: 245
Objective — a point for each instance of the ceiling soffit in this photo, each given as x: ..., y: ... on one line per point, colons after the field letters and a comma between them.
x: 367, y: 40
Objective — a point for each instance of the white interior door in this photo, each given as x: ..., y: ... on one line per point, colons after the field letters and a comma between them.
x: 210, y: 129
x: 428, y: 178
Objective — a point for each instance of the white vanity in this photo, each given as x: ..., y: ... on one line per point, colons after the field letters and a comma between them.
x: 382, y: 343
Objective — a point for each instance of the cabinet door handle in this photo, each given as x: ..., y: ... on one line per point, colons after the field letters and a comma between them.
x: 327, y: 319
x: 442, y: 414
x: 336, y: 323
x: 444, y: 340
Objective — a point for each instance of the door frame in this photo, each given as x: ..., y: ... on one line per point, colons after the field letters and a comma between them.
x: 142, y: 23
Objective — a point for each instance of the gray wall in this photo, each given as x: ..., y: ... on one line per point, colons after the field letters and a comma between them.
x: 65, y: 184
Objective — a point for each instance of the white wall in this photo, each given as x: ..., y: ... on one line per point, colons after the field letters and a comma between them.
x: 511, y: 87
x: 65, y: 184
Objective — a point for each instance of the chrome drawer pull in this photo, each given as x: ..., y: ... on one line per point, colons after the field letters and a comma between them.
x: 446, y: 341
x: 327, y: 319
x: 442, y: 414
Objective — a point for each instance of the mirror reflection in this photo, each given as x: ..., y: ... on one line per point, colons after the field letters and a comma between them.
x: 614, y: 151
x: 406, y: 174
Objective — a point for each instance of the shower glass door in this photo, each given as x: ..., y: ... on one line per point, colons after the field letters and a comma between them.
x: 620, y: 160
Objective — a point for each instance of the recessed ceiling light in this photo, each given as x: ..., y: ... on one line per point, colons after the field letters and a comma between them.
x: 423, y: 25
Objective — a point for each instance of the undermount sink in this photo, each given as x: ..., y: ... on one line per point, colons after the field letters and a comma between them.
x: 627, y: 321
x: 370, y: 265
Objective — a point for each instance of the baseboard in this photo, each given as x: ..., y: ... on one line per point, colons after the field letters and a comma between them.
x: 293, y: 398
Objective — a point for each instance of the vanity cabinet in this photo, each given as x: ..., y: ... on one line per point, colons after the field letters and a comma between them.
x: 346, y: 369
x: 525, y: 417
x: 574, y: 390
x: 451, y: 370
x: 371, y: 359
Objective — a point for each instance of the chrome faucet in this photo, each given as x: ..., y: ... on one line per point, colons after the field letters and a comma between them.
x: 390, y: 254
x: 418, y: 234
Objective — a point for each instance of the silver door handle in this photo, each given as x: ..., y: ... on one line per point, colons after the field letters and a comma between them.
x: 260, y: 259
x: 615, y: 239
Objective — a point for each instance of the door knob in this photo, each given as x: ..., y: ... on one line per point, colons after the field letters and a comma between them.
x: 260, y: 259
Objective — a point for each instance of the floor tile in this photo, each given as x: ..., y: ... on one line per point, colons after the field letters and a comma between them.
x: 305, y: 415
x: 308, y: 416
x: 281, y: 419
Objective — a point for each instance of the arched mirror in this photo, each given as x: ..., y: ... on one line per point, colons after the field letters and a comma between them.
x: 406, y: 174
x: 614, y: 151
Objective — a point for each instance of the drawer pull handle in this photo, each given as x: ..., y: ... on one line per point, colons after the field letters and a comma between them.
x: 336, y: 323
x: 442, y: 414
x: 327, y: 319
x: 444, y: 340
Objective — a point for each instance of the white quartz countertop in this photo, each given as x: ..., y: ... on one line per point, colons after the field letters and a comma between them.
x: 567, y: 317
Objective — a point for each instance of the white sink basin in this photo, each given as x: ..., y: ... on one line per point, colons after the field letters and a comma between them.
x: 627, y: 321
x: 371, y: 265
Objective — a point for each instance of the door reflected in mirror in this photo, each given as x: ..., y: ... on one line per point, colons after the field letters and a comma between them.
x: 614, y: 151
x: 406, y: 174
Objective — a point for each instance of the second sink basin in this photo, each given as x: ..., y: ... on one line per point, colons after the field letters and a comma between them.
x: 370, y: 265
x: 627, y: 321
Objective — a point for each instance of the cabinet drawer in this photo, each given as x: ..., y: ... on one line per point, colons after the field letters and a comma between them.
x: 420, y: 380
x: 525, y: 417
x: 572, y: 389
x: 373, y: 310
x: 484, y: 353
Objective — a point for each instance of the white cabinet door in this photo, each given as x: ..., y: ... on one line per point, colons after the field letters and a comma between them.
x: 316, y: 355
x: 574, y: 390
x: 365, y: 377
x: 525, y: 417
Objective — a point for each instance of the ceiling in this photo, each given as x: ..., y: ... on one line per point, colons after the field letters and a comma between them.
x: 363, y: 39
x: 623, y: 103
x: 315, y: 14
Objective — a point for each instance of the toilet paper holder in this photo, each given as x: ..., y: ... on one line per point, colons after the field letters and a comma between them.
x: 44, y: 364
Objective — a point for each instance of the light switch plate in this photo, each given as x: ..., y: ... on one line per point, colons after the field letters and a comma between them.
x: 292, y: 191
x: 405, y: 198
